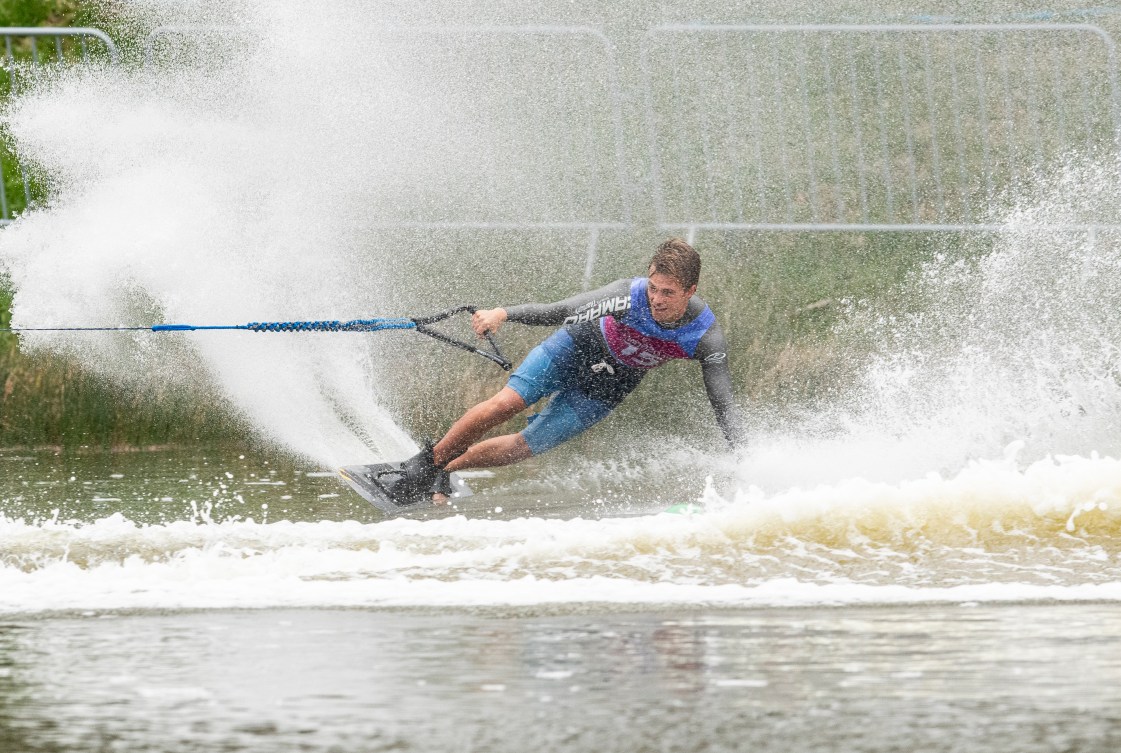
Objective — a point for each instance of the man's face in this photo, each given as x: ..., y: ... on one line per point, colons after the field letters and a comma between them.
x: 668, y: 299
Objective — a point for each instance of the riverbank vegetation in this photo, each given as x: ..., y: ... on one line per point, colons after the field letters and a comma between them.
x: 49, y: 400
x: 779, y: 296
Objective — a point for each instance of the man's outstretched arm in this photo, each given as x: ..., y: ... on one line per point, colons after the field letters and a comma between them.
x: 593, y: 304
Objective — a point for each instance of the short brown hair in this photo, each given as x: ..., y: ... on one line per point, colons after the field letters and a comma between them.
x: 679, y: 260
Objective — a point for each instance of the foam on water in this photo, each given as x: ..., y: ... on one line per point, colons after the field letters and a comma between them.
x: 992, y: 532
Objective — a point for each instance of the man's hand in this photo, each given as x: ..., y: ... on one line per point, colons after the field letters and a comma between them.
x: 487, y: 320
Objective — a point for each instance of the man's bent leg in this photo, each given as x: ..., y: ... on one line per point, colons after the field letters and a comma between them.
x: 475, y: 423
x: 567, y: 414
x: 545, y: 370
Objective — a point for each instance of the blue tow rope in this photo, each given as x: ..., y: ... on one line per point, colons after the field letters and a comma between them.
x: 420, y: 324
x: 354, y: 325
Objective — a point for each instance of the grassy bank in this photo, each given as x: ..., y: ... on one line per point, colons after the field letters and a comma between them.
x: 779, y: 298
x: 49, y: 401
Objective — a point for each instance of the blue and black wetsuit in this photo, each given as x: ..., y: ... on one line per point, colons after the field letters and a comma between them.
x: 607, y: 344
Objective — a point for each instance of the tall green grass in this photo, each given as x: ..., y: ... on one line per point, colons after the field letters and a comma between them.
x: 50, y: 401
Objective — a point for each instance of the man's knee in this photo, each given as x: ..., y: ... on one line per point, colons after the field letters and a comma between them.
x: 505, y: 402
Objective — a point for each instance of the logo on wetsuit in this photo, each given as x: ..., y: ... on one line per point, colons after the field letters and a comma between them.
x: 620, y: 304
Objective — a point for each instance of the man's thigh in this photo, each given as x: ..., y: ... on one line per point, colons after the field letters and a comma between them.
x: 550, y: 367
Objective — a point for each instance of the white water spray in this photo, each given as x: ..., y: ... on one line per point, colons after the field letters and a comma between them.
x: 1010, y: 351
x: 221, y: 193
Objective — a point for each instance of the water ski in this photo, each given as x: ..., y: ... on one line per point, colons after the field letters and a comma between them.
x: 367, y: 481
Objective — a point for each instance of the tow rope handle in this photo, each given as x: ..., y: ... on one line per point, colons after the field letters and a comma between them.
x: 495, y: 354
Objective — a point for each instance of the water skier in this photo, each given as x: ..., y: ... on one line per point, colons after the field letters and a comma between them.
x: 610, y: 339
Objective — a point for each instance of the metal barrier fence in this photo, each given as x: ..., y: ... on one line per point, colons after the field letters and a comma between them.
x: 748, y: 127
x: 868, y: 127
x: 27, y: 54
x: 540, y: 109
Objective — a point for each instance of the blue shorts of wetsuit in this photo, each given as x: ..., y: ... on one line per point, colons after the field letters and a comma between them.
x: 553, y: 368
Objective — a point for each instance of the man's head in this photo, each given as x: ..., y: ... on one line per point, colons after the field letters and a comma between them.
x: 674, y: 272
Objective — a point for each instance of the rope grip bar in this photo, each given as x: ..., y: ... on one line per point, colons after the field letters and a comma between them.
x: 495, y: 354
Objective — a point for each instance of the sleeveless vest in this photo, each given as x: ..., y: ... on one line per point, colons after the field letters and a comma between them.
x: 636, y: 340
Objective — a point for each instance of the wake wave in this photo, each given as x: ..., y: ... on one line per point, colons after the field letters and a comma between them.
x: 1050, y: 531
